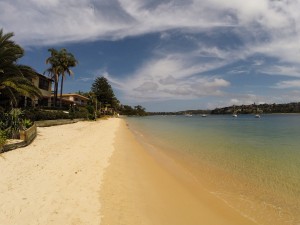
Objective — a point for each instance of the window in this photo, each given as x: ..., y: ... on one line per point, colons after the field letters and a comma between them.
x: 43, y: 83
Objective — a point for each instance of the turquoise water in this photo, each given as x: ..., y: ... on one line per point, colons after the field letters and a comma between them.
x: 252, y: 164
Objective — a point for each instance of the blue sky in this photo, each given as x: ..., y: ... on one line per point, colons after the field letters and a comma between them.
x: 168, y: 55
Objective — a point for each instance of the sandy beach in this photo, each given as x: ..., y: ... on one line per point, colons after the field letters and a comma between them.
x: 57, y: 179
x: 98, y: 173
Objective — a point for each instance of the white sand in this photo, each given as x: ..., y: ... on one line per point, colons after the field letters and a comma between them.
x: 56, y: 180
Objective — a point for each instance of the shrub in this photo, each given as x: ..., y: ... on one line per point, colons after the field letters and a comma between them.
x: 81, y: 113
x: 3, y: 138
x: 14, y: 122
x: 36, y: 115
x: 26, y: 123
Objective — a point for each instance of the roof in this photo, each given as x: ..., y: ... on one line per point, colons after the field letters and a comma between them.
x: 40, y: 75
x: 75, y: 95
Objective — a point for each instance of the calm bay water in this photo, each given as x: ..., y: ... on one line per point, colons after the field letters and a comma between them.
x: 252, y: 164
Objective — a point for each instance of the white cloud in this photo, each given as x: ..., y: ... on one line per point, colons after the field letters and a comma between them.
x: 79, y: 20
x: 288, y: 84
x: 171, y: 77
x: 147, y: 86
x: 265, y: 27
x: 291, y: 70
x: 168, y: 80
x: 85, y: 79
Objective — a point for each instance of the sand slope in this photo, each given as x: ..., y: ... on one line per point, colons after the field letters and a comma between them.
x: 56, y: 180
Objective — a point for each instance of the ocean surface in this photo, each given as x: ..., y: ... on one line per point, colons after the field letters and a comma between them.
x: 253, y: 164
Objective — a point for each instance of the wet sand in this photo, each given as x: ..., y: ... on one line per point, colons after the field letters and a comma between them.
x: 138, y: 189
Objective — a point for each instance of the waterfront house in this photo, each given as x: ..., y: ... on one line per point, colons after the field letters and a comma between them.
x: 45, y: 85
x: 73, y: 99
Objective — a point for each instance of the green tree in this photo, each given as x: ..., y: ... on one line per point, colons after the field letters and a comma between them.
x: 104, y: 92
x: 15, y: 79
x: 140, y: 111
x: 130, y: 111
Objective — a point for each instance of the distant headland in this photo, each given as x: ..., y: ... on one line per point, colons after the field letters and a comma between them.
x: 293, y: 107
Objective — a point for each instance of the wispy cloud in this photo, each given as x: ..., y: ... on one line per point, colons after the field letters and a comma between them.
x: 171, y: 77
x: 288, y: 84
x: 262, y: 26
x: 290, y: 70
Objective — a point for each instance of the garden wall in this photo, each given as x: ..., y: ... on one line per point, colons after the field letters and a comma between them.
x: 27, y: 136
x: 48, y: 123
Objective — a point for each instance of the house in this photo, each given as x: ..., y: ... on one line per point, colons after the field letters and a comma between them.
x: 73, y: 99
x: 45, y: 85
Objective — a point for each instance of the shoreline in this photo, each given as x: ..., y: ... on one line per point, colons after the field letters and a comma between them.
x: 99, y: 173
x: 138, y: 189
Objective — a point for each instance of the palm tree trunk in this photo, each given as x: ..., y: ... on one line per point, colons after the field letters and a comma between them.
x: 61, y: 89
x: 55, y: 92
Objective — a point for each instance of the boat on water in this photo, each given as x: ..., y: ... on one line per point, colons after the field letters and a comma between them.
x: 188, y: 114
x: 258, y: 111
x: 204, y: 115
x: 234, y: 113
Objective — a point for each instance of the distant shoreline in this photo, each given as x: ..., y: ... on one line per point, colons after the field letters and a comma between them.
x: 288, y: 108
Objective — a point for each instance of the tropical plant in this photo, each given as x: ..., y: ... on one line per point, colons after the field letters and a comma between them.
x: 54, y: 70
x: 68, y: 60
x: 26, y: 123
x: 60, y: 61
x: 15, y: 122
x: 3, y: 138
x: 15, y: 79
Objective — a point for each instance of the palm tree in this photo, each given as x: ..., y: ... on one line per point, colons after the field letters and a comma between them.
x: 15, y: 79
x: 54, y: 70
x: 67, y: 60
x: 60, y: 61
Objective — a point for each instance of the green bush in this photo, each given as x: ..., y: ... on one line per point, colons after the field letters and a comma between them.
x: 81, y: 113
x: 36, y: 115
x: 15, y: 120
x: 26, y: 123
x: 3, y: 138
x: 73, y: 113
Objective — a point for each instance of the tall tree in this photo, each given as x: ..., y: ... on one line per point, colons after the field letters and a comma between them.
x: 67, y: 60
x: 60, y: 61
x: 54, y: 70
x: 15, y: 79
x: 104, y: 92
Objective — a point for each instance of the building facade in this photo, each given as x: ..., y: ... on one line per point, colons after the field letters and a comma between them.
x: 76, y: 99
x: 45, y: 85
